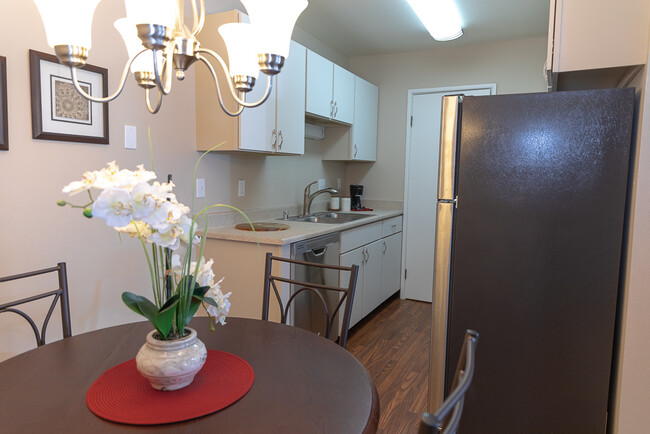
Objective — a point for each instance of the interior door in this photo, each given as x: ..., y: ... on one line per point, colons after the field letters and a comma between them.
x: 421, y: 186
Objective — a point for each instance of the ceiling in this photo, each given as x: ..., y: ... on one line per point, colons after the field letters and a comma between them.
x: 365, y: 27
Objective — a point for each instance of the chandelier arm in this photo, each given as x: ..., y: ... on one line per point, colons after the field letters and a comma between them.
x: 167, y: 62
x: 153, y: 111
x: 125, y: 73
x: 269, y: 82
x: 216, y: 83
x: 201, y: 14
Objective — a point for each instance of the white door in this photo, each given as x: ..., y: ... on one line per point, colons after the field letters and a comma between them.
x: 421, y: 186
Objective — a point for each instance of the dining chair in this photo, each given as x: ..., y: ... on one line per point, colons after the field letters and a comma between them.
x: 60, y: 294
x: 433, y: 422
x: 345, y: 294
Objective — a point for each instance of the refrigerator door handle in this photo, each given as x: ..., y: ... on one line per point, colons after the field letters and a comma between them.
x: 448, y: 145
x: 441, y: 283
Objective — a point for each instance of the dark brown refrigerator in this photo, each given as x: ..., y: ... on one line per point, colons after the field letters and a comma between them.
x: 529, y: 232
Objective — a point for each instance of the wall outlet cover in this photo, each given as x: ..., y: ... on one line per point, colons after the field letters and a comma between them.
x: 241, y: 188
x: 321, y: 184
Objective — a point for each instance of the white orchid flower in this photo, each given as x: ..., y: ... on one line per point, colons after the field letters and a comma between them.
x: 143, y: 200
x: 205, y: 275
x: 114, y: 207
x: 220, y: 311
x: 169, y: 238
x: 135, y: 229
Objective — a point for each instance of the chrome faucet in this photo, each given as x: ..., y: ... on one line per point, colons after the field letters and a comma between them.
x: 306, y: 204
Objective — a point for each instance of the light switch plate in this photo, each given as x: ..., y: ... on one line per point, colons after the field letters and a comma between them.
x: 321, y: 184
x: 130, y: 137
x: 338, y: 183
x: 200, y: 187
x: 241, y: 188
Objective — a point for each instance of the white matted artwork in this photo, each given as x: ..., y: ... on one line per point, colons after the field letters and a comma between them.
x: 59, y: 112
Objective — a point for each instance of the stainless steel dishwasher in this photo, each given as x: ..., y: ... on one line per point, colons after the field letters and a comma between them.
x: 307, y: 308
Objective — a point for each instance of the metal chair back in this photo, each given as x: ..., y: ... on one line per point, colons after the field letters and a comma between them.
x: 60, y: 294
x: 433, y: 422
x: 345, y: 294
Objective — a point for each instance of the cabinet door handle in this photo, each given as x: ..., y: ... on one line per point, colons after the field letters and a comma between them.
x: 355, y: 151
x: 385, y: 248
x: 281, y: 140
x: 336, y: 108
x: 274, y: 139
x: 367, y: 255
x: 331, y: 108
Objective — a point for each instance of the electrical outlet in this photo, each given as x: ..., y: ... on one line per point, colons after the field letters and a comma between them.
x: 200, y: 187
x: 241, y: 188
x: 130, y: 137
x: 321, y: 184
x: 338, y: 183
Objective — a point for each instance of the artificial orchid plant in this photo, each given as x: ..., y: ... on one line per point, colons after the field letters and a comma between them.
x: 133, y: 203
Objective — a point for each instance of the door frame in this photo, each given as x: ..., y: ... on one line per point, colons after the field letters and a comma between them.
x: 407, y: 157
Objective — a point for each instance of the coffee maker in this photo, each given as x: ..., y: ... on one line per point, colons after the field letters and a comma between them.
x: 356, y: 191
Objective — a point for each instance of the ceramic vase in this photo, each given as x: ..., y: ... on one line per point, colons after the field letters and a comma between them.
x: 171, y: 364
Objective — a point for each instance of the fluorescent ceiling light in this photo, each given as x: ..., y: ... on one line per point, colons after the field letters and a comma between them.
x: 440, y: 17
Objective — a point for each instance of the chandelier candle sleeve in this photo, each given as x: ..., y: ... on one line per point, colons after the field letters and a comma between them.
x: 67, y: 22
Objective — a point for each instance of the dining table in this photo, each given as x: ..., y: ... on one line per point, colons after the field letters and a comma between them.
x: 303, y: 383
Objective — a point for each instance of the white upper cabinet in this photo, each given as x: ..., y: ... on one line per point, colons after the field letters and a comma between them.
x: 364, y: 130
x: 277, y: 126
x: 596, y: 34
x: 330, y: 90
x: 359, y: 142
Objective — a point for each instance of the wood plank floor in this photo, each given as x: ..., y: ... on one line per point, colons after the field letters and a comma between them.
x: 393, y: 344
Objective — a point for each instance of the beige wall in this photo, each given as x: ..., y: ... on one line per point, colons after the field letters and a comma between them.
x: 38, y: 234
x: 515, y: 66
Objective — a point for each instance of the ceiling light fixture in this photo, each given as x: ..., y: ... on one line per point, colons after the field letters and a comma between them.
x: 440, y: 17
x: 159, y: 43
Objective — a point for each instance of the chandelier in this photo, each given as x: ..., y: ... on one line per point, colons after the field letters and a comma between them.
x: 159, y: 43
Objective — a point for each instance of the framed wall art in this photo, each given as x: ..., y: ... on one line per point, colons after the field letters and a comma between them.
x: 59, y: 112
x: 4, y: 124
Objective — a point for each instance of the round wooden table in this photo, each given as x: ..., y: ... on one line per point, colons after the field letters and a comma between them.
x: 303, y: 382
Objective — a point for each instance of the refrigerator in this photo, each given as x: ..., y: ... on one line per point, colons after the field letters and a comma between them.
x: 529, y: 232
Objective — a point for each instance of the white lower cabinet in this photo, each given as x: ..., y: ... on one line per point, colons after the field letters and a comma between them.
x: 377, y: 250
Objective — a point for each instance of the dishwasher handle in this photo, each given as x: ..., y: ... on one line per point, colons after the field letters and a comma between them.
x: 319, y: 251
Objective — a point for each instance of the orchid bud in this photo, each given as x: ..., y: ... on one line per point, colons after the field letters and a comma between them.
x: 61, y: 202
x: 88, y: 212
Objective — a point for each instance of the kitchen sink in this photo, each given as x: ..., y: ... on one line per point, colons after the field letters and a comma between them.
x: 328, y: 217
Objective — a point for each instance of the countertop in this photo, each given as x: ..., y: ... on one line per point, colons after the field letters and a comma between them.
x: 297, y: 230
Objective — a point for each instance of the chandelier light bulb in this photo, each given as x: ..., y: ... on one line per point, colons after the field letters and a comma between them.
x: 67, y: 22
x: 274, y: 21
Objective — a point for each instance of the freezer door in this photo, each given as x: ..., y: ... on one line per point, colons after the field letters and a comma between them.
x: 441, y: 276
x: 448, y: 144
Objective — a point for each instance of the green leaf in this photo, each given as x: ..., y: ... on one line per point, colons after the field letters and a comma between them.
x: 162, y: 319
x: 130, y: 300
x: 197, y: 299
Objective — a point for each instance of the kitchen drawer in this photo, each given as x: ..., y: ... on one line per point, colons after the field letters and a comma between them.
x: 353, y: 238
x: 391, y: 226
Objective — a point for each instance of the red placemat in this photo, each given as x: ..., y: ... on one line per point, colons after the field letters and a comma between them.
x: 122, y: 395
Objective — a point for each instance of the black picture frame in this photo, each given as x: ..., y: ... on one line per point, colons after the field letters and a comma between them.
x: 4, y: 123
x: 59, y: 112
